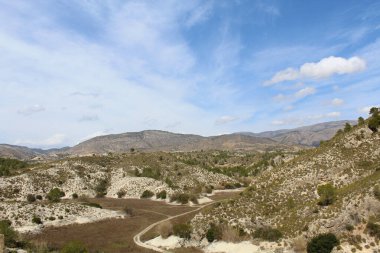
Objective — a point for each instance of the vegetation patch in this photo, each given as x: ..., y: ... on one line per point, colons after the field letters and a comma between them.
x: 268, y: 234
x: 323, y: 243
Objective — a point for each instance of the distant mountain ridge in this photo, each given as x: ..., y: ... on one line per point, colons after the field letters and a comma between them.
x: 307, y: 135
x: 156, y: 140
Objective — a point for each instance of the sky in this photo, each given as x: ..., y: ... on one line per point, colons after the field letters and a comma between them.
x: 74, y: 69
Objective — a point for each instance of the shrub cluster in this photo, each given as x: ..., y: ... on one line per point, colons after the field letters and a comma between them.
x: 10, y: 235
x: 101, y: 188
x: 373, y: 229
x: 323, y: 243
x: 182, y: 230
x: 147, y: 194
x: 214, y: 233
x: 184, y: 198
x: 8, y: 166
x: 161, y: 195
x: 55, y: 195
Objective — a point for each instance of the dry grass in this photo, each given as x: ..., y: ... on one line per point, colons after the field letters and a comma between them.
x: 299, y: 245
x: 165, y: 229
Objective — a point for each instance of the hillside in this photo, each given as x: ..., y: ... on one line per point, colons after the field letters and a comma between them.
x: 19, y: 152
x: 289, y: 199
x: 308, y: 135
x: 153, y: 140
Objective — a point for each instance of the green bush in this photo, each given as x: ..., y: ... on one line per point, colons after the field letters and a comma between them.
x: 10, y: 235
x: 214, y: 233
x: 31, y: 198
x: 36, y: 220
x: 373, y: 229
x: 327, y: 193
x: 323, y: 243
x: 147, y: 194
x: 347, y: 127
x: 161, y: 195
x: 182, y: 198
x: 268, y: 234
x: 55, y: 195
x: 8, y: 166
x: 182, y: 230
x: 101, y: 188
x: 75, y: 195
x: 74, y: 247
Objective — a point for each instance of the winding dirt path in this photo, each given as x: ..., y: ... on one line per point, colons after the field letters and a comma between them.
x: 137, y: 237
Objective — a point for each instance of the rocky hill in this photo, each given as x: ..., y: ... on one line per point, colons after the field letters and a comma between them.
x: 308, y: 135
x: 331, y: 189
x: 19, y: 152
x: 153, y: 140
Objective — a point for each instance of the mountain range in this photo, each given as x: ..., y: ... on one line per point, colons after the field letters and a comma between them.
x: 155, y: 140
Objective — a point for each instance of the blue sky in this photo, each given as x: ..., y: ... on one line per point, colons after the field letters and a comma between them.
x: 71, y: 70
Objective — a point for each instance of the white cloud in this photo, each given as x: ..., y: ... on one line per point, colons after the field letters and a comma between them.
x: 366, y: 109
x: 225, y: 119
x: 316, y: 70
x: 288, y: 74
x: 302, y: 93
x: 305, y: 92
x: 200, y: 14
x: 51, y: 141
x: 31, y: 110
x: 337, y: 102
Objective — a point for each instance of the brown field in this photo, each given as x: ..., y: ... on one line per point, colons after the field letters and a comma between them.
x: 116, y: 235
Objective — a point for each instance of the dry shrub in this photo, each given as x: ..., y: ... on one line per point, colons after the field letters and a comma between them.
x: 299, y: 245
x: 230, y: 234
x: 165, y: 229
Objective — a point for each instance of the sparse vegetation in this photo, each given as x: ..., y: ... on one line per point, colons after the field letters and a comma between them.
x: 373, y: 229
x: 10, y: 166
x: 182, y: 230
x: 268, y: 234
x: 55, y: 195
x: 327, y: 194
x: 121, y: 194
x: 31, y: 198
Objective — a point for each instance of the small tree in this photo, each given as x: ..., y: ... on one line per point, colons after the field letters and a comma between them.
x: 327, y: 193
x: 214, y: 233
x: 347, y: 127
x: 10, y: 235
x: 101, y: 188
x: 361, y: 121
x: 323, y: 243
x: 55, y: 195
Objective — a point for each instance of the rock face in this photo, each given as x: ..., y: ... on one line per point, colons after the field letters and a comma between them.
x: 153, y: 140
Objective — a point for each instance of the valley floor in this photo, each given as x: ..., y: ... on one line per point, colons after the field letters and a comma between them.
x: 116, y: 235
